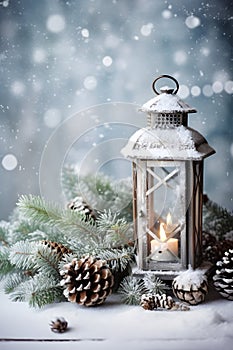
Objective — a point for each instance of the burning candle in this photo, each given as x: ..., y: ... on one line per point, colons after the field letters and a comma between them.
x: 165, y: 248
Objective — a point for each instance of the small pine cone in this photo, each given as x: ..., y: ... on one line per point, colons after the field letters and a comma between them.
x: 87, y: 281
x: 57, y: 248
x: 78, y: 204
x: 164, y: 301
x: 223, y: 279
x: 152, y: 301
x: 190, y: 286
x: 59, y: 325
x: 148, y: 301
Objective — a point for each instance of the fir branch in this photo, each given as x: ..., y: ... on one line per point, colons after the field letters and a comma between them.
x: 114, y: 231
x: 154, y: 284
x: 47, y: 262
x: 117, y: 259
x: 38, y: 210
x: 131, y: 290
x: 38, y: 291
x: 21, y: 226
x: 101, y: 192
x: 13, y: 281
x: 4, y: 232
x: 22, y: 255
x: 50, y: 216
x: 5, y: 265
x: 217, y: 220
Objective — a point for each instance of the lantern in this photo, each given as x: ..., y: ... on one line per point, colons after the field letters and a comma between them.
x: 167, y: 158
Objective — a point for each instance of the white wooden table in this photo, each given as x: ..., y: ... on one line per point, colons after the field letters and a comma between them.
x: 117, y: 326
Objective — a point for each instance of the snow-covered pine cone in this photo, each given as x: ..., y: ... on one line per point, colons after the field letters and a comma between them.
x: 190, y: 286
x: 78, y: 204
x: 148, y: 301
x: 223, y: 279
x: 58, y: 248
x: 152, y: 301
x: 87, y: 281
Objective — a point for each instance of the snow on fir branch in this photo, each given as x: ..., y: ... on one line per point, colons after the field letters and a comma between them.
x: 38, y: 291
x: 101, y: 192
x: 132, y: 288
x: 29, y: 257
x: 40, y: 237
x: 51, y: 216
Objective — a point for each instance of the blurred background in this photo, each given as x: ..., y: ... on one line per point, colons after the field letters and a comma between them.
x: 59, y: 57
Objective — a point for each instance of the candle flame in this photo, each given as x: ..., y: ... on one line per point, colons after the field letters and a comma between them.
x: 169, y: 219
x: 162, y: 233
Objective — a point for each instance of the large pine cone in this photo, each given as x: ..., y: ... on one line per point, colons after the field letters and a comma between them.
x: 88, y: 281
x: 78, y: 204
x: 223, y: 279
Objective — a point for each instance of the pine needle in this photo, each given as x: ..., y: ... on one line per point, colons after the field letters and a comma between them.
x: 38, y: 291
x: 131, y: 290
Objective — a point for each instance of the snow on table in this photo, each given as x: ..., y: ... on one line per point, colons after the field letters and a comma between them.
x: 117, y: 326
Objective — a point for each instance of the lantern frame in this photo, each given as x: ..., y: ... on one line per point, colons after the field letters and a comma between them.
x: 167, y: 146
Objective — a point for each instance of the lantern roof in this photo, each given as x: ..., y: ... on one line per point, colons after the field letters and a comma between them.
x: 167, y: 135
x: 181, y: 143
x: 167, y: 101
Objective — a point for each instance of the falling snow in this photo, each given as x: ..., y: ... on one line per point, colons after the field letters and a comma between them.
x: 60, y: 57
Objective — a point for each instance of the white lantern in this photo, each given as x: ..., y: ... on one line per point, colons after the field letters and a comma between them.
x: 167, y: 159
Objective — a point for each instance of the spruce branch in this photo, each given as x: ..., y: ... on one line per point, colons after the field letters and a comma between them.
x: 154, y: 284
x: 13, y: 280
x: 131, y: 290
x: 47, y: 261
x: 217, y: 220
x: 22, y: 255
x: 5, y: 265
x: 38, y: 291
x: 50, y: 216
x: 113, y: 230
x: 37, y: 209
x: 101, y: 192
x: 117, y: 259
x: 4, y: 232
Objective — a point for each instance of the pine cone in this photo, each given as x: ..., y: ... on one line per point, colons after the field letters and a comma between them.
x: 59, y: 325
x: 148, y: 301
x: 190, y: 286
x: 57, y: 248
x: 88, y: 281
x: 78, y: 204
x: 223, y: 279
x: 214, y: 252
x: 153, y: 301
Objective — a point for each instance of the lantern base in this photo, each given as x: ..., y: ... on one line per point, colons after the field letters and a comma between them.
x: 169, y: 275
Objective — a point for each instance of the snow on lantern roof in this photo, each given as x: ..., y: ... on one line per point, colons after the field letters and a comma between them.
x: 167, y: 137
x: 166, y: 102
x: 181, y: 143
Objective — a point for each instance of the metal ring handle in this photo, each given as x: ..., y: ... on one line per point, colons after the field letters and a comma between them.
x: 165, y: 76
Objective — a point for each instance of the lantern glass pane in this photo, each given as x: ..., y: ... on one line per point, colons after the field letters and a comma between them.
x: 165, y: 211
